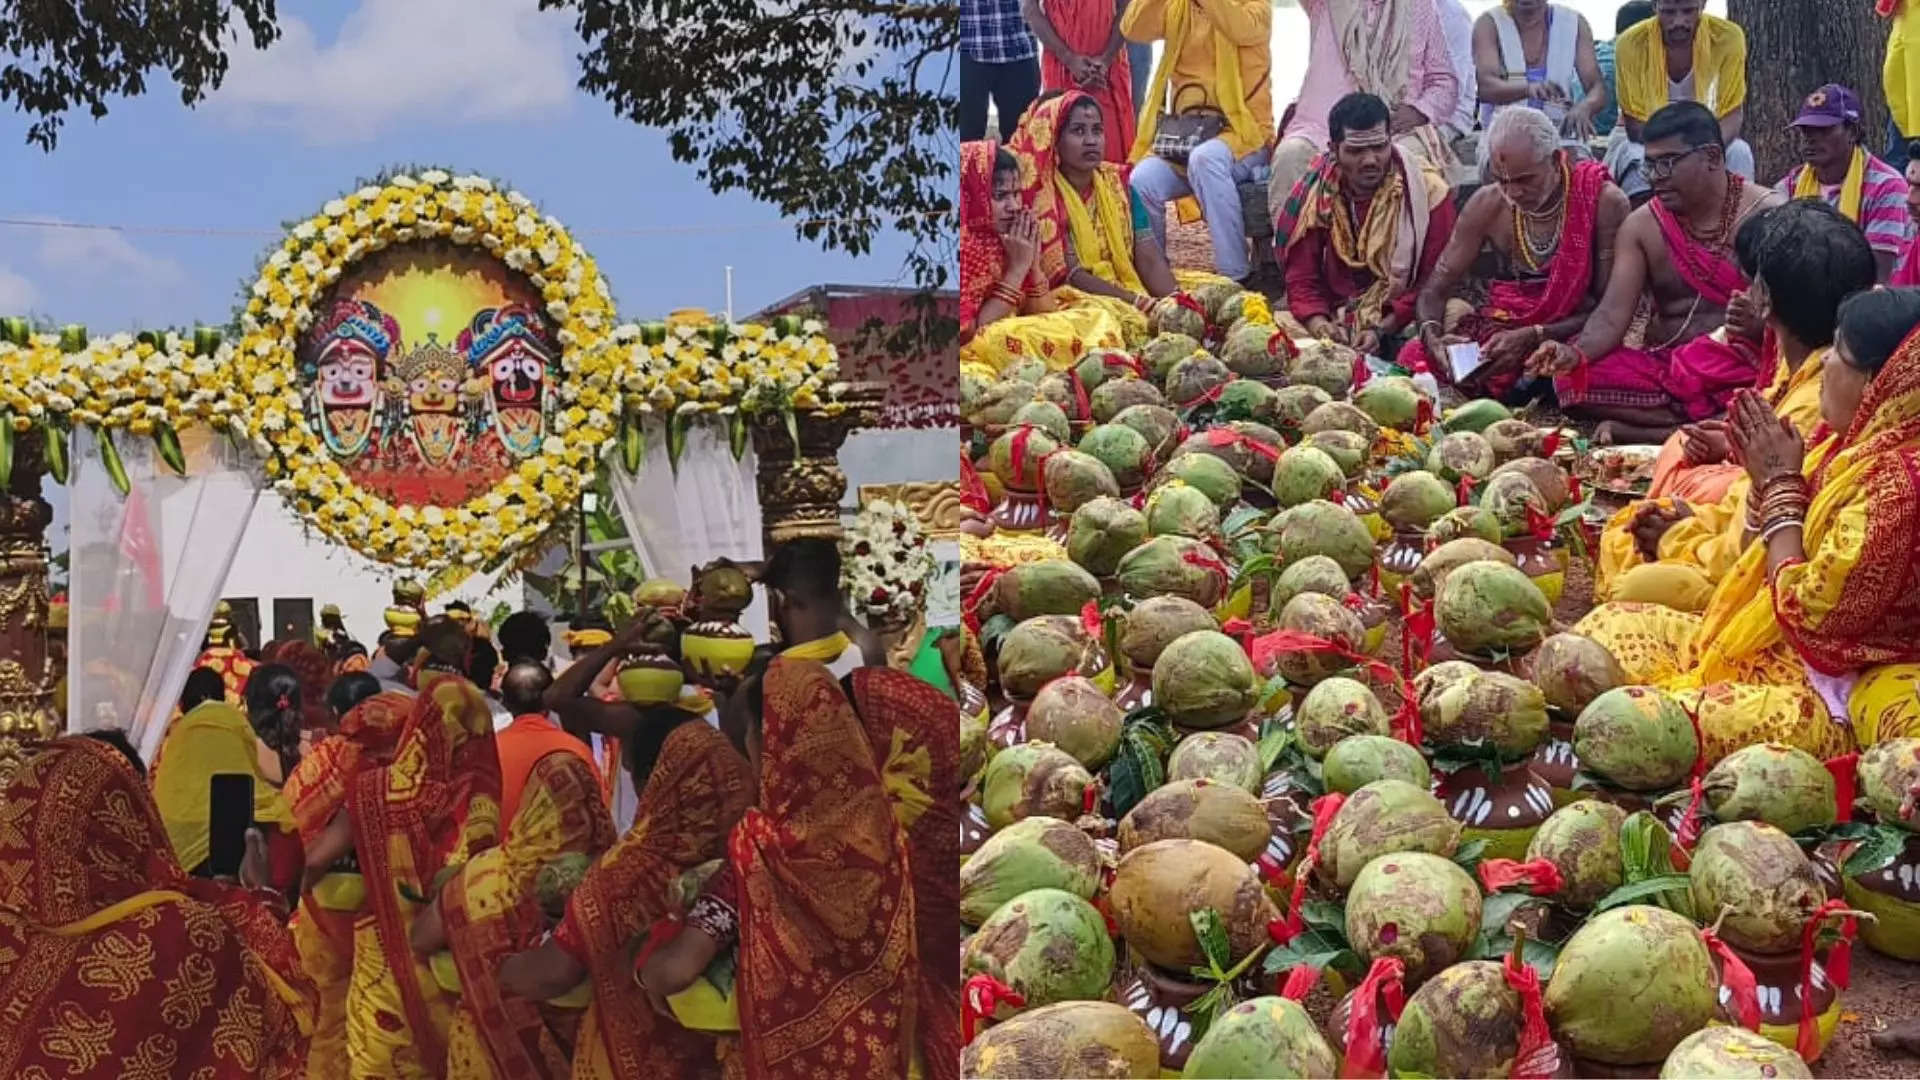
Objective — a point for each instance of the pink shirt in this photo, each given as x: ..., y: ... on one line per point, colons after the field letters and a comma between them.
x: 1432, y: 86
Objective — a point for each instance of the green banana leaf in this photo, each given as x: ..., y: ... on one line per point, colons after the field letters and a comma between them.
x: 737, y: 434
x: 676, y: 439
x: 55, y: 439
x: 6, y: 450
x: 168, y: 443
x: 110, y: 457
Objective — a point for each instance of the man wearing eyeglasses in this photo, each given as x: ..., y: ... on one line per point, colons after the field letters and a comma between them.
x: 1681, y: 54
x: 1703, y: 340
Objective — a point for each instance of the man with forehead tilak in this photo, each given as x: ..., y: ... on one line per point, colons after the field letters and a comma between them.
x: 1547, y: 225
x: 1703, y: 339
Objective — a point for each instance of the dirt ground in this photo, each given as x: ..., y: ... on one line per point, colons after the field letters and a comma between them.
x: 1884, y: 989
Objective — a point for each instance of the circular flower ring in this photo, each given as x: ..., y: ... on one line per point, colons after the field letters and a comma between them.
x: 470, y: 211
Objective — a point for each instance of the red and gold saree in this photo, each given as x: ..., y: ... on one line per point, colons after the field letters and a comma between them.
x: 113, y: 962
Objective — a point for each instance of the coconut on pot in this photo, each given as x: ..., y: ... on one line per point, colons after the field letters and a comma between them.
x: 1486, y: 708
x: 1887, y: 771
x: 1359, y: 760
x: 1549, y: 480
x: 1175, y: 509
x: 1316, y: 574
x: 1341, y: 416
x: 1261, y: 1037
x: 1582, y: 841
x: 1033, y: 779
x: 1074, y: 479
x: 1046, y: 416
x: 1173, y: 566
x: 1292, y: 405
x: 1782, y: 785
x: 1640, y: 953
x: 1095, y: 1039
x: 1047, y: 945
x: 1078, y: 717
x: 1048, y: 587
x: 1324, y: 528
x: 1325, y: 365
x: 1757, y: 883
x: 1121, y: 449
x: 1353, y: 452
x: 1637, y: 738
x: 1206, y: 473
x: 1034, y: 445
x: 1157, y: 887
x: 1465, y: 1021
x: 1391, y: 401
x: 1303, y: 474
x: 1334, y: 709
x: 1220, y: 756
x: 1722, y: 1052
x: 1325, y: 618
x: 1460, y: 454
x: 1382, y: 818
x: 1572, y: 670
x: 1414, y: 500
x: 1102, y: 532
x: 996, y: 404
x: 1452, y: 555
x: 1251, y: 351
x: 1225, y: 815
x: 1114, y: 397
x: 1169, y: 315
x: 1040, y: 650
x: 1195, y: 377
x: 1465, y: 521
x: 1203, y: 679
x: 1033, y: 853
x: 1488, y: 607
x: 1422, y: 908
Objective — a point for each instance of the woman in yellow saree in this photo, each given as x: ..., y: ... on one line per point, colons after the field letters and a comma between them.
x: 1828, y: 590
x: 332, y: 903
x: 115, y: 963
x: 212, y: 738
x: 428, y: 812
x: 1804, y: 259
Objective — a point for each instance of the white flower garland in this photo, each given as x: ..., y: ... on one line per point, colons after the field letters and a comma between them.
x: 885, y: 563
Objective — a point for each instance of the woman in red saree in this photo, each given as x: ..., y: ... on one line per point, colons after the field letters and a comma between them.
x: 435, y: 806
x: 113, y: 962
x: 332, y: 902
x: 1084, y: 51
x: 818, y: 892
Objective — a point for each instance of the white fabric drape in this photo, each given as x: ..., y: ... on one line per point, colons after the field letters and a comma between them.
x: 710, y: 509
x: 147, y: 570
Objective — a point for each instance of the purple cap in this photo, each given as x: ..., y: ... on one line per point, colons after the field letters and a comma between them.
x: 1830, y: 106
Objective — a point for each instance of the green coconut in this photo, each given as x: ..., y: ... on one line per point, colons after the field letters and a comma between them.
x: 1032, y: 853
x: 1722, y: 1052
x: 1431, y: 682
x: 1341, y: 416
x: 1176, y: 509
x: 1325, y: 365
x: 1489, y: 708
x: 1294, y: 403
x: 1359, y: 760
x: 1572, y: 670
x: 1203, y: 679
x: 1320, y: 527
x: 1046, y: 416
x: 1316, y: 574
x: 1304, y: 474
x: 1158, y: 886
x: 997, y: 402
x: 1419, y: 907
x: 1121, y: 449
x: 1636, y: 953
x: 1460, y: 454
x: 1476, y: 415
x: 1213, y: 297
x: 1757, y: 882
x: 1352, y: 451
x: 1251, y: 351
x: 1223, y: 814
x: 1465, y: 521
x: 1263, y: 1037
x: 1549, y: 479
x: 557, y: 879
x: 1026, y: 369
x: 1489, y: 607
x: 1078, y: 717
x: 1450, y: 556
x: 1047, y: 945
x: 1636, y: 737
x: 1325, y: 618
x: 1169, y: 315
x: 1099, y: 366
x: 1508, y: 497
x: 1115, y: 396
x: 1511, y: 439
x: 1098, y: 1040
x: 1465, y: 1021
x: 1220, y: 756
x: 975, y: 746
x: 1039, y: 650
x: 1155, y: 422
x: 1075, y: 479
x: 1887, y: 771
x: 1784, y: 786
x: 1024, y: 474
x: 1582, y: 841
x: 1166, y: 350
x: 1384, y: 817
x: 1194, y: 378
x: 1210, y: 475
x: 1334, y: 709
x: 1155, y: 622
x: 1101, y: 532
x: 1033, y: 779
x: 1414, y: 500
x: 1392, y: 401
x: 1259, y: 463
x: 1246, y: 399
x: 1173, y: 566
x: 1049, y: 587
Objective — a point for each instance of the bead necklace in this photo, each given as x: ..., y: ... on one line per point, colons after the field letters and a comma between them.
x: 1534, y: 254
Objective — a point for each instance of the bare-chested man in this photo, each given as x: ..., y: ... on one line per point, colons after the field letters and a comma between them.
x: 1550, y: 223
x: 1678, y: 249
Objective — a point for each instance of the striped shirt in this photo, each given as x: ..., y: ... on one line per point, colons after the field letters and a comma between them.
x: 1883, y: 204
x: 993, y: 32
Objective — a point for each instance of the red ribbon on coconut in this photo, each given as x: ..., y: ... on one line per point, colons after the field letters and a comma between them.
x: 1338, y: 497
x: 1280, y: 343
x: 1354, y: 602
x: 973, y: 490
x: 1187, y: 301
x: 1839, y: 971
x: 1539, y: 523
x: 1263, y: 649
x: 1221, y: 436
x: 1124, y: 362
x: 1080, y: 400
x: 1550, y: 443
x: 1206, y: 560
x: 1845, y: 770
x: 1462, y: 490
x: 1417, y: 622
x: 1017, y: 451
x: 1361, y: 372
x: 1241, y: 631
x: 1366, y: 1052
x: 982, y: 996
x: 1541, y: 877
x: 1324, y: 808
x: 969, y: 610
x: 1538, y: 1057
x: 1206, y: 398
x: 1423, y: 410
x: 1299, y: 981
x: 1574, y: 490
x: 1091, y: 621
x: 1737, y: 977
x: 1689, y: 830
x: 1373, y: 578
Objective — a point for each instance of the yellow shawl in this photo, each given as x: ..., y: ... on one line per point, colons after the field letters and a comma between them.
x: 1808, y: 185
x: 1102, y: 233
x: 1244, y: 134
x: 213, y: 738
x: 1719, y: 68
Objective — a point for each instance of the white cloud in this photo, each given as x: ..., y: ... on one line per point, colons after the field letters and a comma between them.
x: 104, y: 254
x: 405, y: 62
x: 17, y: 294
x: 91, y: 276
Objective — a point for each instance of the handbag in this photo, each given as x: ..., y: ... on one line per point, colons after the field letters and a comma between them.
x: 1176, y: 135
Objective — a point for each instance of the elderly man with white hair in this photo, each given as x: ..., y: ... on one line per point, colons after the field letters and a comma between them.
x: 1549, y: 223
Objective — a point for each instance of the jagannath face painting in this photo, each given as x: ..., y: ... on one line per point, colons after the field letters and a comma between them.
x: 432, y: 377
x: 351, y: 346
x: 507, y: 347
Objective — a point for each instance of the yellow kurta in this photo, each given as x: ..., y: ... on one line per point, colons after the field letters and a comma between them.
x: 1901, y: 75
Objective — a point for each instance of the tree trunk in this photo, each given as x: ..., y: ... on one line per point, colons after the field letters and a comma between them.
x: 1793, y: 48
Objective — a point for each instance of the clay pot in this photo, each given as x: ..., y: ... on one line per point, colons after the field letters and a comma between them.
x: 1544, y: 561
x: 717, y: 647
x: 1009, y: 726
x: 1893, y: 894
x: 650, y: 679
x: 1555, y: 763
x: 1286, y: 807
x: 1137, y: 692
x: 974, y: 830
x: 1158, y: 999
x: 1367, y: 509
x: 1505, y: 811
x: 1399, y: 558
x: 1776, y: 979
x: 1022, y: 511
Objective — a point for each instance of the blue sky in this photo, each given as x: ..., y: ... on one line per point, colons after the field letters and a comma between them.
x: 354, y: 86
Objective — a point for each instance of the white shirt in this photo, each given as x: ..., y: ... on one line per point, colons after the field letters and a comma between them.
x: 1457, y: 25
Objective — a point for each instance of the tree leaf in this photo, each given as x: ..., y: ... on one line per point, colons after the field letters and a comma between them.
x: 1468, y: 856
x: 1876, y: 851
x: 1211, y: 931
x: 1637, y: 890
x: 1273, y: 742
x: 1324, y: 915
x: 1498, y: 910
